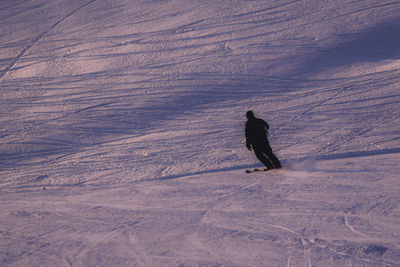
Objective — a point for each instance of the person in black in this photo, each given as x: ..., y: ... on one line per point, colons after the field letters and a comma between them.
x: 256, y: 139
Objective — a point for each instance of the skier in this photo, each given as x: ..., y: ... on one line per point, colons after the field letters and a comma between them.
x: 256, y: 139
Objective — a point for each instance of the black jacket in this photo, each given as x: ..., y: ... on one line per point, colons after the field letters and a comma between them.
x: 256, y: 132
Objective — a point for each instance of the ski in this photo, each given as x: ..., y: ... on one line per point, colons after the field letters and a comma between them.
x: 256, y: 170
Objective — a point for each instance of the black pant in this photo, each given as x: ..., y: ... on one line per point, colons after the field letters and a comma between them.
x: 264, y: 154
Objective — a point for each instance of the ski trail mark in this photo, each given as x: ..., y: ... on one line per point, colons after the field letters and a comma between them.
x: 346, y: 222
x: 313, y: 107
x: 282, y: 228
x: 37, y: 38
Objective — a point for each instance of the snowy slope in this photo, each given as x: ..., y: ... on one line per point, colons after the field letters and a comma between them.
x: 121, y: 124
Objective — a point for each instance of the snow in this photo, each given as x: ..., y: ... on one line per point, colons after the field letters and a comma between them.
x: 121, y: 127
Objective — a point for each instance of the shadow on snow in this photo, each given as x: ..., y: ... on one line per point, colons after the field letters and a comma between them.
x: 286, y: 162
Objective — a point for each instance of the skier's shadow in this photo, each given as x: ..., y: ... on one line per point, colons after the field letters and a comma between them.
x: 286, y: 162
x: 226, y: 169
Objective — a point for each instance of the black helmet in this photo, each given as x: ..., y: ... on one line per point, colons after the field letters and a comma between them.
x: 250, y: 115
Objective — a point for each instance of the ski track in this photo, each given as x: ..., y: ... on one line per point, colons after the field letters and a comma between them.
x: 36, y: 39
x: 121, y: 122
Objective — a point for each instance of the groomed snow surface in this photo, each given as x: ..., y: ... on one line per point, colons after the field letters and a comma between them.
x: 121, y: 127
